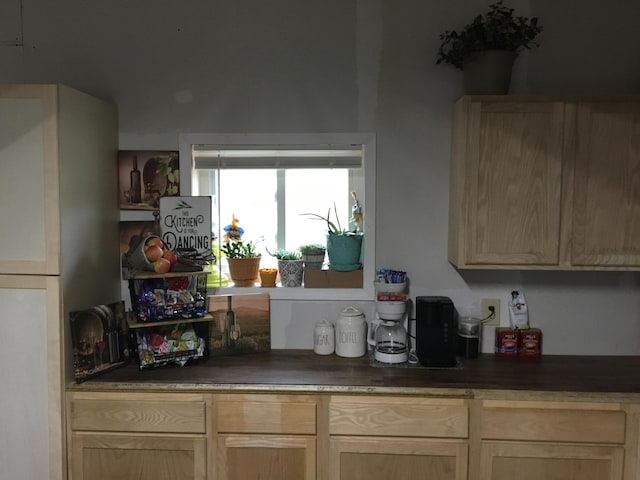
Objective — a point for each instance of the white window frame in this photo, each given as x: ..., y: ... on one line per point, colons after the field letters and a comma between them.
x: 187, y: 141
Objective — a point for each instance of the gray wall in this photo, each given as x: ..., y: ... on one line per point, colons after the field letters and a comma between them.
x: 341, y: 66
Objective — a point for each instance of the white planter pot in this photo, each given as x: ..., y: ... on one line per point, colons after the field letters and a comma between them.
x: 290, y: 272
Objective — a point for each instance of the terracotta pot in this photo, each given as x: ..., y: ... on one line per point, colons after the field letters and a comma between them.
x: 268, y: 277
x: 244, y: 271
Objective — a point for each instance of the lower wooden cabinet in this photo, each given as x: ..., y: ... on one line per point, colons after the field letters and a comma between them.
x: 189, y: 436
x: 382, y: 437
x: 552, y: 440
x: 265, y: 457
x: 550, y: 461
x: 265, y: 437
x: 142, y: 436
x: 384, y: 458
x: 143, y: 457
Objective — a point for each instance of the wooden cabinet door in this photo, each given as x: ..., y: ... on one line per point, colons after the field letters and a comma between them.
x: 535, y: 461
x: 29, y: 180
x: 606, y: 198
x: 512, y: 182
x: 397, y: 458
x: 32, y: 443
x: 143, y: 457
x: 266, y: 457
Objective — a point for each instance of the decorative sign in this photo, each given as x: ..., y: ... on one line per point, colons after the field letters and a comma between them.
x: 186, y: 224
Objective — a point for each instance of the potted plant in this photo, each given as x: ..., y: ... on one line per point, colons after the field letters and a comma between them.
x: 313, y: 255
x: 486, y: 48
x: 244, y: 262
x: 344, y: 247
x: 290, y: 267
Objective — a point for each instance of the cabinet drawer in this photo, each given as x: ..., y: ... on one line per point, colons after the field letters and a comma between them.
x: 138, y: 416
x: 538, y: 421
x: 265, y: 414
x: 407, y: 417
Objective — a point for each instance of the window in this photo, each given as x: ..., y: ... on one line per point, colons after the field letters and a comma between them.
x: 269, y: 181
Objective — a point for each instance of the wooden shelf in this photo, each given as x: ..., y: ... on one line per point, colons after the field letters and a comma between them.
x: 148, y: 275
x: 134, y: 323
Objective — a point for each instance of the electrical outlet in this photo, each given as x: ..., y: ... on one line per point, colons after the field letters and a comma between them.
x: 495, y: 319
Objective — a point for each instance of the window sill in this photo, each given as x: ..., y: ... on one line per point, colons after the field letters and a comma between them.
x: 300, y: 293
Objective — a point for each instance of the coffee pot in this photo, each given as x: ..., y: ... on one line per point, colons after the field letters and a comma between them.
x: 389, y: 340
x: 351, y: 333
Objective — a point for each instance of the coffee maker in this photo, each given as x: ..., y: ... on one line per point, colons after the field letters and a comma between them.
x: 436, y: 334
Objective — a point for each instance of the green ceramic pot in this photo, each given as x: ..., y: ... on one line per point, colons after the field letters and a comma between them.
x: 344, y: 252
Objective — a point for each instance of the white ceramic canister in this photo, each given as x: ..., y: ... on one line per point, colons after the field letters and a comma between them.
x: 323, y: 338
x: 351, y: 333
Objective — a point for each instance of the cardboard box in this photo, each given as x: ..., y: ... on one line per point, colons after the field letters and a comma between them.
x: 332, y: 279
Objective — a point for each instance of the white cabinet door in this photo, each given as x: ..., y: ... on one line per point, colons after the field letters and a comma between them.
x: 29, y: 242
x: 31, y: 438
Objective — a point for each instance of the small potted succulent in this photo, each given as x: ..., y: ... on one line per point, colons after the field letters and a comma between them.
x: 486, y: 48
x: 244, y: 262
x: 290, y: 267
x: 313, y: 255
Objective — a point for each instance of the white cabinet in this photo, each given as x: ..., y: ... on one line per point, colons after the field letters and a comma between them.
x: 58, y: 253
x: 58, y: 156
x: 30, y: 403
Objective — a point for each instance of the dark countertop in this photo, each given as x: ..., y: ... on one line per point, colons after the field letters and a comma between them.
x: 301, y: 371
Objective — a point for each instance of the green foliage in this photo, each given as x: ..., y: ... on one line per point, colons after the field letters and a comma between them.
x: 282, y: 254
x: 332, y: 228
x: 312, y: 249
x: 240, y: 250
x: 498, y: 29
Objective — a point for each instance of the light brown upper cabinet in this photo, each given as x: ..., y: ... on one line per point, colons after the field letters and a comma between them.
x: 606, y: 195
x: 545, y: 183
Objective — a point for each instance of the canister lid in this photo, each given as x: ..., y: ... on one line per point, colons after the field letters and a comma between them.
x: 351, y: 312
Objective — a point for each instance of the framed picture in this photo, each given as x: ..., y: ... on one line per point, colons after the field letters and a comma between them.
x: 145, y: 176
x: 242, y: 324
x: 99, y: 339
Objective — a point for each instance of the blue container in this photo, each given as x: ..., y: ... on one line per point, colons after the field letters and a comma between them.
x: 344, y: 252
